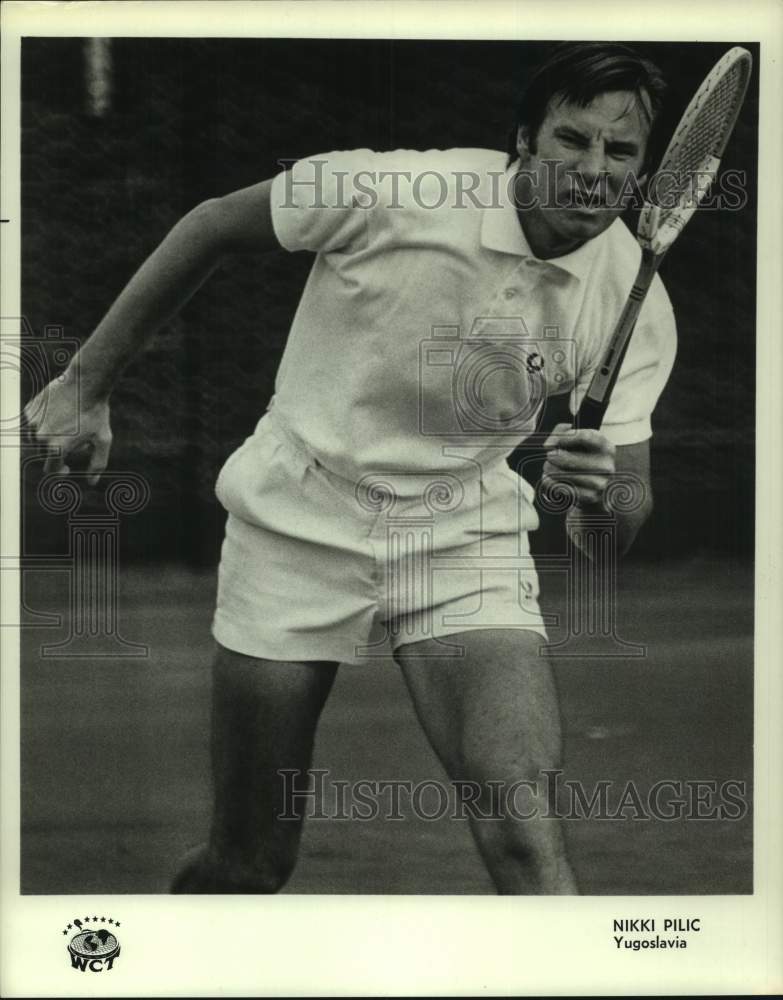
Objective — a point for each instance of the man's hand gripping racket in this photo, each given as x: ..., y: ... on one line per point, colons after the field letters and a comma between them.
x: 687, y: 170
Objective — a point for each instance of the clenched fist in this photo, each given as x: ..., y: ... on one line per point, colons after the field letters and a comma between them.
x: 583, y: 460
x: 72, y: 425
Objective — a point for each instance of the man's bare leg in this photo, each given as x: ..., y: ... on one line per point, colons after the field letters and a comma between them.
x: 493, y: 715
x: 264, y: 717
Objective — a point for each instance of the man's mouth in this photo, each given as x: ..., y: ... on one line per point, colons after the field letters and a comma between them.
x: 585, y: 203
x: 578, y: 198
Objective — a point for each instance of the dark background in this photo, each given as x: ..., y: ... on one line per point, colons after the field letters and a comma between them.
x: 196, y: 118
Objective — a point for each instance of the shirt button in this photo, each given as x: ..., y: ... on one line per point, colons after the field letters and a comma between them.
x: 509, y: 293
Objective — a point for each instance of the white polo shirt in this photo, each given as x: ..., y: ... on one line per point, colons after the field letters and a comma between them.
x: 428, y: 332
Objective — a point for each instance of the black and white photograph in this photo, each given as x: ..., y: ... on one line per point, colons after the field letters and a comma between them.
x: 393, y: 513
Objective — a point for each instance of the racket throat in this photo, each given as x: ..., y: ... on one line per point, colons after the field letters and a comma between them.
x: 593, y: 407
x: 660, y: 226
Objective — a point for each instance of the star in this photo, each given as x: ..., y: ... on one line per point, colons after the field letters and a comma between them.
x: 65, y: 932
x: 94, y: 918
x: 70, y: 926
x: 117, y: 923
x: 103, y: 920
x: 110, y: 920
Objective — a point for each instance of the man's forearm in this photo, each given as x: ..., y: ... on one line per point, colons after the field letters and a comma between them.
x: 158, y: 290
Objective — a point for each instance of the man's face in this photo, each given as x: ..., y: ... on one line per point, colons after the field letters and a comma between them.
x: 577, y: 166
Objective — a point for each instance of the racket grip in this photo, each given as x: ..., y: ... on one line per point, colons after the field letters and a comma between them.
x: 590, y: 414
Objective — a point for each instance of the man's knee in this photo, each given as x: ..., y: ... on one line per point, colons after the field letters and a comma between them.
x: 512, y: 805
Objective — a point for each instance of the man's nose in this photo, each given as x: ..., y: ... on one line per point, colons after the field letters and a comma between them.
x: 593, y: 163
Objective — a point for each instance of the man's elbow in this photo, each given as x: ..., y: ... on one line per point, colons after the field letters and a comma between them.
x: 212, y: 218
x: 240, y: 222
x: 201, y: 231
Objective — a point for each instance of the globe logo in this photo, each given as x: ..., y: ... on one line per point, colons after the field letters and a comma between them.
x: 92, y: 950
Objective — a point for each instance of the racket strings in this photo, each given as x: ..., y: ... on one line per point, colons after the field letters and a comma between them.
x: 701, y: 136
x: 713, y: 120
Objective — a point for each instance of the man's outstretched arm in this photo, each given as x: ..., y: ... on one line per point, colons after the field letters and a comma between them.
x: 237, y: 223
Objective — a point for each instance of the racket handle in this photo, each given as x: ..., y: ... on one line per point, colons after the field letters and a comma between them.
x: 591, y: 414
x: 596, y: 401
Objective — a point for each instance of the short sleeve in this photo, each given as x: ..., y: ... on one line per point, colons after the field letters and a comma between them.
x: 643, y: 376
x: 322, y: 202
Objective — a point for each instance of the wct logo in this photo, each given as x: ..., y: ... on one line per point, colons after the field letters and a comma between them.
x: 93, y: 950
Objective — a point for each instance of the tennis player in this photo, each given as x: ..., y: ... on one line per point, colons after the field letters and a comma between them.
x: 451, y: 291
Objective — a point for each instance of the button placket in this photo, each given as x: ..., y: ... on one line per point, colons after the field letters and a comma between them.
x: 509, y: 294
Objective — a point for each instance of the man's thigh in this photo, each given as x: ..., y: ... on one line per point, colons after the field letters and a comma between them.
x: 492, y: 713
x: 264, y: 718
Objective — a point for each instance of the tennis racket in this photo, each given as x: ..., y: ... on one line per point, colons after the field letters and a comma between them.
x: 687, y: 170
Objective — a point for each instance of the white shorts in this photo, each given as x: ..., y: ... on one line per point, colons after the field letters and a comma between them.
x: 316, y: 567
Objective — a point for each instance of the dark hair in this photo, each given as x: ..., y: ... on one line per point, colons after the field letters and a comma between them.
x: 578, y: 72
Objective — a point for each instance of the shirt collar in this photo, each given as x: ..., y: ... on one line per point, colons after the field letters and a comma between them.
x: 501, y: 230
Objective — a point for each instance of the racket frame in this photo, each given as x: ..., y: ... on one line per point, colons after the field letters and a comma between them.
x: 655, y: 242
